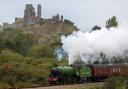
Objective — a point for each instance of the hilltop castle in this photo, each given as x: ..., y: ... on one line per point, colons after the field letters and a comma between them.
x: 32, y: 18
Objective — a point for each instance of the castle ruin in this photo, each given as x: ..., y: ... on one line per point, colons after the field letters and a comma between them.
x: 31, y: 17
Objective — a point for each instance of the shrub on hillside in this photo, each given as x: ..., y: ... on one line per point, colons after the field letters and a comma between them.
x: 39, y: 51
x: 24, y: 71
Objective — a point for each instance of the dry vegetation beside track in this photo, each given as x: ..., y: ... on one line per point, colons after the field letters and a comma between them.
x: 75, y: 86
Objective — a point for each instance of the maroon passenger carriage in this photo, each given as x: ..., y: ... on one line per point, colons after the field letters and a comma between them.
x: 103, y: 71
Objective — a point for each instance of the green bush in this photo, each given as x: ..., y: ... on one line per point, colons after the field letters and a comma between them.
x: 16, y: 69
x: 16, y: 41
x: 116, y: 83
x: 39, y: 51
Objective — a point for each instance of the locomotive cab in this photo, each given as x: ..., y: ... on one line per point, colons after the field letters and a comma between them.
x: 53, y: 77
x: 61, y: 75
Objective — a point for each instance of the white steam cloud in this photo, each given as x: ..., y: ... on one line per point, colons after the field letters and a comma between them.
x: 88, y: 46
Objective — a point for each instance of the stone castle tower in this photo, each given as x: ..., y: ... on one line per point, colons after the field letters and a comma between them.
x: 39, y: 11
x: 30, y: 14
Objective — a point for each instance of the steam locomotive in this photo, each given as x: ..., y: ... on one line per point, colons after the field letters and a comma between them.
x: 83, y: 73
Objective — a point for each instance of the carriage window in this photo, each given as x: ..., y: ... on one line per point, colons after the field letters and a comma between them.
x: 113, y: 69
x: 119, y: 69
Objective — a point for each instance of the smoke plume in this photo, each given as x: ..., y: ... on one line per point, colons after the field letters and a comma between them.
x: 87, y: 46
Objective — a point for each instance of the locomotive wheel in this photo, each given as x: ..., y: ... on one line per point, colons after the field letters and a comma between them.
x: 88, y: 80
x: 67, y: 80
x: 73, y: 80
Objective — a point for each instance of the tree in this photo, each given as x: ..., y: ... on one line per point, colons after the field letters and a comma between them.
x: 39, y: 51
x: 112, y: 22
x: 68, y: 22
x: 16, y: 41
x: 62, y: 62
x: 95, y: 28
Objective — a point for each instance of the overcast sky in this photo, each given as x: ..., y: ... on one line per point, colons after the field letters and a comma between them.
x: 84, y: 13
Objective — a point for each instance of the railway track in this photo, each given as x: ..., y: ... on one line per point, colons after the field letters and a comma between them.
x: 75, y: 86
